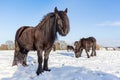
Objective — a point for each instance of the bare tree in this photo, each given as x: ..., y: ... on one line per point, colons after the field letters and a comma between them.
x: 10, y: 44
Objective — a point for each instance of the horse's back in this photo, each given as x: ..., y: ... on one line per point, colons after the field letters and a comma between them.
x: 88, y: 42
x: 92, y: 39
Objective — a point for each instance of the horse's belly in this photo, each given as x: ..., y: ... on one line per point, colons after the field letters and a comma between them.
x: 26, y: 44
x: 29, y: 47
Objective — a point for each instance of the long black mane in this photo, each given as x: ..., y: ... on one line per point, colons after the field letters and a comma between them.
x: 48, y: 32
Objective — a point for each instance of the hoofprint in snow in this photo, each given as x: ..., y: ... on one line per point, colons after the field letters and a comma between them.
x: 64, y: 66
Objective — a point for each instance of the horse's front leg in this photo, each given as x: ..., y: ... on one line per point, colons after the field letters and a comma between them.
x: 81, y: 51
x: 40, y: 59
x: 46, y: 57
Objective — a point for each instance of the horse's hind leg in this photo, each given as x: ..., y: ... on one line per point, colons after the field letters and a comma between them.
x: 19, y: 57
x: 94, y: 52
x: 24, y: 62
x: 94, y: 49
x: 22, y: 56
x: 15, y: 60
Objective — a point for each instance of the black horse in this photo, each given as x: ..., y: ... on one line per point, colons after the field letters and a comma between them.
x: 87, y: 44
x: 40, y: 38
x: 70, y: 48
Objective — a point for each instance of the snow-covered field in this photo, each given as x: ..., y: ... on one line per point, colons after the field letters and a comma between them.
x: 64, y: 66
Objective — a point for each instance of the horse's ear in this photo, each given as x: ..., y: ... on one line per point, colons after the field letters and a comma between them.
x: 66, y: 10
x: 56, y: 10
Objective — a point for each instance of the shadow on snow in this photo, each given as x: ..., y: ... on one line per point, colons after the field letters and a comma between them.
x: 70, y: 54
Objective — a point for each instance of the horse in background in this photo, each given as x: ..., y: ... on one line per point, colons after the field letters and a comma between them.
x: 40, y: 38
x: 54, y: 47
x: 70, y: 48
x: 87, y: 44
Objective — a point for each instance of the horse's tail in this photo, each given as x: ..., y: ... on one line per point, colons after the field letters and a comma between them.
x: 17, y: 45
x: 16, y: 52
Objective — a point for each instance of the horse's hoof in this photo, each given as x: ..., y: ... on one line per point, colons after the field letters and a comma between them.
x: 14, y: 63
x: 39, y: 72
x: 25, y: 65
x: 92, y: 55
x: 47, y: 69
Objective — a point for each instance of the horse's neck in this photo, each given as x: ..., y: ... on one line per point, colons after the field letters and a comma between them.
x: 48, y: 28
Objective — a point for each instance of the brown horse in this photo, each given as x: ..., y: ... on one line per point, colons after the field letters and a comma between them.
x: 69, y: 48
x: 40, y: 38
x: 87, y: 44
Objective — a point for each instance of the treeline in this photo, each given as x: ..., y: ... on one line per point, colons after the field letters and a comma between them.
x: 8, y: 45
x: 60, y: 45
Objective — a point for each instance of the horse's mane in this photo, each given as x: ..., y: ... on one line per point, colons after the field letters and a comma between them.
x: 48, y: 26
x: 45, y: 18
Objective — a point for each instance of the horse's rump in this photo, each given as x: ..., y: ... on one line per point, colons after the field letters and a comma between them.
x: 25, y: 38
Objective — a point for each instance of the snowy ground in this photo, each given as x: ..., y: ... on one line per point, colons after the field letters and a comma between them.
x: 64, y: 66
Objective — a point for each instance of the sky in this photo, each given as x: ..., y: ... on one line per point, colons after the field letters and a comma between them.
x: 97, y: 18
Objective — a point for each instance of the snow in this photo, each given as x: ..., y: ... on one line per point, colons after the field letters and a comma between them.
x: 64, y: 66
